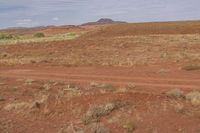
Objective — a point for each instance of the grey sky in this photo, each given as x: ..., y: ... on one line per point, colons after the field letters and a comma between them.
x: 18, y: 13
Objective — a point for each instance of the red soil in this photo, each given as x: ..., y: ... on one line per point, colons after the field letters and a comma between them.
x: 34, y: 98
x: 148, y: 107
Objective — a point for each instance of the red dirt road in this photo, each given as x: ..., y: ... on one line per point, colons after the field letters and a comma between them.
x: 147, y: 77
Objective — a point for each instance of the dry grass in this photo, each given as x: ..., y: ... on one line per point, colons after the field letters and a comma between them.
x: 107, y: 87
x: 94, y: 84
x: 129, y: 126
x: 163, y: 71
x: 96, y: 112
x: 145, y: 49
x: 176, y: 93
x: 150, y: 28
x: 70, y: 128
x: 18, y: 106
x: 29, y: 81
x: 36, y: 103
x: 131, y: 86
x: 194, y: 98
x: 97, y: 128
x: 69, y: 91
x: 121, y: 48
x: 28, y: 39
x: 191, y: 67
x: 22, y: 60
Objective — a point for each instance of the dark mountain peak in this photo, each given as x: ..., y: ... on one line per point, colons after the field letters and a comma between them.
x: 103, y: 21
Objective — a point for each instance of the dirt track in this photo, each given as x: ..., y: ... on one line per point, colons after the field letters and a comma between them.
x: 119, y: 76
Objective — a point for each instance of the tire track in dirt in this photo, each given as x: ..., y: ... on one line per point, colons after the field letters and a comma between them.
x: 118, y: 80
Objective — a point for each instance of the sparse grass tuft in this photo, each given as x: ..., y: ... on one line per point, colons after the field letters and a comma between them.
x: 131, y: 86
x: 163, y: 71
x: 176, y: 93
x: 97, y: 128
x: 70, y: 91
x: 129, y: 126
x: 94, y: 84
x: 29, y: 81
x: 39, y: 35
x: 191, y: 67
x: 71, y: 87
x: 6, y: 36
x: 96, y: 112
x: 16, y: 106
x: 72, y: 34
x: 46, y: 87
x: 194, y: 98
x: 70, y: 128
x: 108, y: 87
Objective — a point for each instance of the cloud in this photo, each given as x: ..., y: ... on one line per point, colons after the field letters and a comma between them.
x: 26, y: 23
x: 27, y: 20
x: 55, y: 19
x: 51, y: 12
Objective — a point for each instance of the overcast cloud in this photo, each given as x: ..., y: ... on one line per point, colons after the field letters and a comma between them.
x: 17, y: 13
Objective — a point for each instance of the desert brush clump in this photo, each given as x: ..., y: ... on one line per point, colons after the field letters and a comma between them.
x: 94, y: 84
x: 69, y: 91
x: 191, y: 67
x: 176, y: 93
x: 29, y: 81
x: 107, y: 87
x: 131, y: 86
x: 129, y: 126
x: 71, y: 34
x: 39, y: 35
x: 194, y: 98
x: 6, y: 36
x: 95, y: 112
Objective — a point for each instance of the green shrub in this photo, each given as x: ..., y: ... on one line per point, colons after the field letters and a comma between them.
x: 39, y: 34
x: 108, y: 86
x: 29, y: 81
x: 6, y: 36
x: 71, y: 34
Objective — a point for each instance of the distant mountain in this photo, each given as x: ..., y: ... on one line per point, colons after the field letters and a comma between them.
x: 13, y: 30
x: 103, y: 21
x: 51, y: 29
